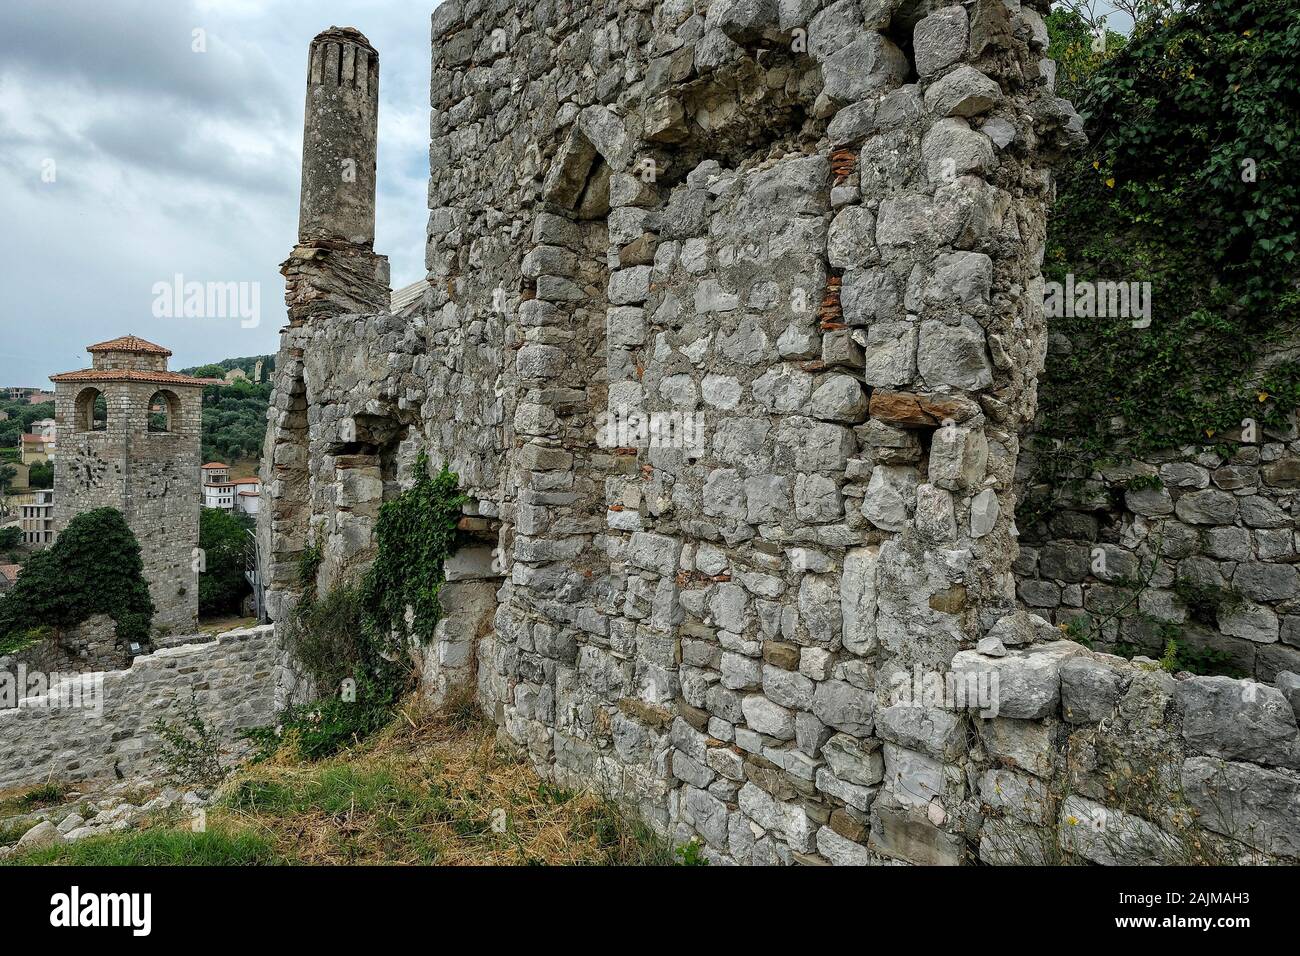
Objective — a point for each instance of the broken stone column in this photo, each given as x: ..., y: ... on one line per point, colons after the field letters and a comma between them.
x: 334, y: 269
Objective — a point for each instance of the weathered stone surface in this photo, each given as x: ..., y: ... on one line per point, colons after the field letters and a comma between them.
x: 1028, y: 681
x: 940, y: 39
x: 905, y: 833
x: 1112, y: 837
x: 841, y: 851
x: 1238, y: 720
x: 1089, y: 690
x: 929, y: 729
x: 841, y: 705
x: 870, y: 64
x: 854, y: 761
x: 1254, y: 805
x: 953, y: 355
x: 767, y: 717
x: 890, y: 495
x: 963, y: 92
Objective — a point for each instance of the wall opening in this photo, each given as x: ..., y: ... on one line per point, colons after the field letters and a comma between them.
x: 163, y: 411
x: 91, y: 411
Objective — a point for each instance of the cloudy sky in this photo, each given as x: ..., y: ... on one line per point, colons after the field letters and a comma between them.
x: 126, y: 158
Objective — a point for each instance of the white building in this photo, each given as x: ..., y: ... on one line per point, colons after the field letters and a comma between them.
x: 220, y: 491
x: 45, y: 427
x: 38, y: 519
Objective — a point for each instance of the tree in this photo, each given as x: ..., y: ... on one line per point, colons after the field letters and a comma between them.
x: 1187, y: 185
x: 7, y: 475
x: 223, y: 538
x: 41, y: 475
x: 10, y: 538
x: 93, y: 568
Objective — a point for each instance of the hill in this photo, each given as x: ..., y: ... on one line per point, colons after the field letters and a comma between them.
x: 234, y: 415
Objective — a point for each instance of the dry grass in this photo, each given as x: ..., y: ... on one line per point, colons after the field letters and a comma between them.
x: 432, y: 789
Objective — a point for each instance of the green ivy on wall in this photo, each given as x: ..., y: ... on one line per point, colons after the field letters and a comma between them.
x: 1189, y: 182
x: 343, y: 640
x: 94, y: 567
x: 416, y: 534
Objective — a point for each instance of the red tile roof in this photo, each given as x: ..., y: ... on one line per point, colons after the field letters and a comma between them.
x: 32, y: 439
x: 127, y: 375
x: 129, y: 343
x: 215, y: 464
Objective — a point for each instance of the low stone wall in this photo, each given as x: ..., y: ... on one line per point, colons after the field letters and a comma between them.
x: 1092, y: 758
x: 1191, y: 544
x: 99, y: 725
x: 90, y: 646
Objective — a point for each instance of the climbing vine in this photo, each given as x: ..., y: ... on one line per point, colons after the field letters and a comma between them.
x: 416, y: 534
x: 349, y: 641
x: 1188, y: 183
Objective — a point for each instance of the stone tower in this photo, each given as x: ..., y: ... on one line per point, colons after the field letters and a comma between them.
x: 332, y: 272
x: 137, y: 450
x: 334, y: 268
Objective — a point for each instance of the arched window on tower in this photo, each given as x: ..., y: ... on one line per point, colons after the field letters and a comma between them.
x: 91, y: 411
x: 163, y: 409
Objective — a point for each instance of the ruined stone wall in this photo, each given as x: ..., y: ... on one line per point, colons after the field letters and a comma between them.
x: 1191, y: 544
x: 733, y: 325
x: 830, y: 269
x: 103, y: 726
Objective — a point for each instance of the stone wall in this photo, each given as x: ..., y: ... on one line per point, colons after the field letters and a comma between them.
x: 1191, y: 544
x: 812, y: 232
x: 802, y: 241
x: 1093, y: 758
x: 235, y: 679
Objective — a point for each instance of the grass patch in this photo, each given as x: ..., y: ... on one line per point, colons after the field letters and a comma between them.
x: 48, y: 794
x: 431, y: 790
x: 159, y: 847
x: 17, y: 640
x: 11, y: 833
x: 434, y: 792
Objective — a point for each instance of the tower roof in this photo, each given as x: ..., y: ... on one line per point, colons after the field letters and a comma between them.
x: 128, y: 375
x: 129, y: 343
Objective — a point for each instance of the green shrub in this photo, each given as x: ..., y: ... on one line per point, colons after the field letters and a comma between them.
x: 223, y: 537
x: 416, y: 533
x: 191, y: 748
x: 93, y: 568
x: 1187, y: 183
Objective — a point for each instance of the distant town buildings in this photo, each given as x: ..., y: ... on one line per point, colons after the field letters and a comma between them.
x: 36, y: 448
x: 33, y: 395
x: 241, y: 495
x: 37, y: 519
x: 214, y: 472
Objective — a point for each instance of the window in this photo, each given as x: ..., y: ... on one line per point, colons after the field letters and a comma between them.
x: 91, y: 411
x: 163, y: 408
